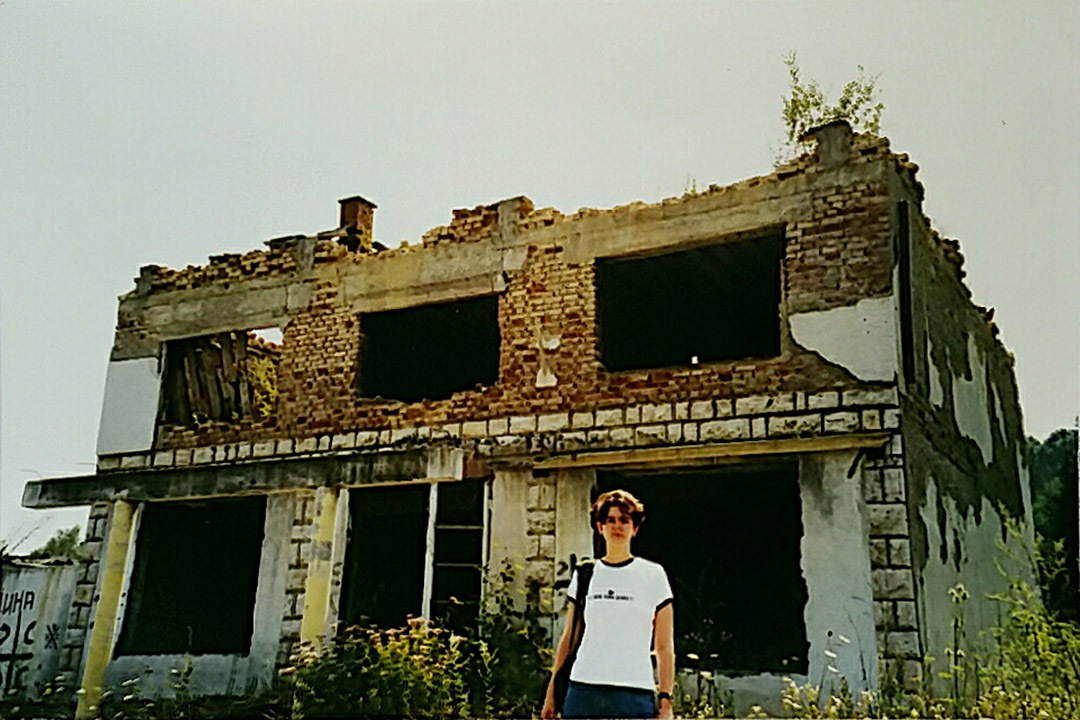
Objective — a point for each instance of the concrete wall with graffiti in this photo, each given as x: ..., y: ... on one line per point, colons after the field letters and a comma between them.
x: 34, y: 602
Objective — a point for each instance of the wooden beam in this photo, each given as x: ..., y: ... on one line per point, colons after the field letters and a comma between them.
x: 709, y: 454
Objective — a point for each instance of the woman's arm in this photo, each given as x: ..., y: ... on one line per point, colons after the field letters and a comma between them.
x: 664, y: 643
x: 561, y: 652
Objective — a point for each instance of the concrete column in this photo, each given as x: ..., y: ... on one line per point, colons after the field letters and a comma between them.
x: 835, y: 552
x: 509, y: 524
x: 313, y: 626
x: 99, y: 647
x: 573, y: 529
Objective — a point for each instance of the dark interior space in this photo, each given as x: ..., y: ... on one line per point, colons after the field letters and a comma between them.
x: 430, y: 352
x: 196, y: 569
x: 459, y: 548
x: 383, y: 578
x: 729, y: 538
x: 709, y: 303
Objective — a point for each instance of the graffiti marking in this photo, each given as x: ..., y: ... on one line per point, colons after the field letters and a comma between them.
x: 52, y: 636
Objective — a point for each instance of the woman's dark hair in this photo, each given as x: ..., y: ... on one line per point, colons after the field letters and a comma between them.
x: 621, y: 499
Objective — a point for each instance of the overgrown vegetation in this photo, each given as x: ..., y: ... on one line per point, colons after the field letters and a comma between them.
x: 1032, y: 671
x: 422, y: 670
x: 1052, y: 465
x: 63, y: 544
x: 807, y: 106
x: 262, y: 373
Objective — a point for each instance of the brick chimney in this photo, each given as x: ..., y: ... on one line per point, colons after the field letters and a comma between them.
x: 357, y: 220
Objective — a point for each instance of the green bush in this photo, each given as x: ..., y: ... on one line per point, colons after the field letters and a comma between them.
x: 417, y: 671
x: 496, y: 668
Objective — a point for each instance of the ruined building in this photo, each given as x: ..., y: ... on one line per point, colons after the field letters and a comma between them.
x: 789, y: 371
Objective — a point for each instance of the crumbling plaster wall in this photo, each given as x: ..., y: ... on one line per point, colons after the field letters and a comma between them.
x: 34, y: 601
x: 963, y: 438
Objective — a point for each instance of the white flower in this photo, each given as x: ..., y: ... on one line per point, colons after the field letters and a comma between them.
x: 830, y: 653
x: 833, y: 670
x: 843, y: 639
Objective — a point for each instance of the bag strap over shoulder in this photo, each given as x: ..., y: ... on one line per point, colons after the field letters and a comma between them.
x: 585, y: 572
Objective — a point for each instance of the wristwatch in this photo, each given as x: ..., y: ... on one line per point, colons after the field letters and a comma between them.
x: 663, y: 696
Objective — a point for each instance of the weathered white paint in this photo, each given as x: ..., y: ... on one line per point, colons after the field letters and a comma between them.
x: 980, y: 558
x: 130, y: 406
x: 859, y: 337
x: 835, y: 560
x: 971, y: 400
x: 229, y: 674
x: 509, y: 522
x: 34, y: 602
x: 573, y: 530
x: 937, y: 391
x: 445, y: 462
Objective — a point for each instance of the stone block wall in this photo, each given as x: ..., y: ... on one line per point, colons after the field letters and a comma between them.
x: 895, y: 612
x: 300, y: 541
x: 84, y: 598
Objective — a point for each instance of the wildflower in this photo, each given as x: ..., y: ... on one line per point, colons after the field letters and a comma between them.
x: 833, y: 670
x: 830, y: 653
x: 692, y: 656
x: 844, y: 639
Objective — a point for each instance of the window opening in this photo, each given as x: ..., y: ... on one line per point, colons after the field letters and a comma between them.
x: 729, y: 538
x: 414, y: 550
x: 907, y: 327
x: 709, y: 303
x: 185, y: 594
x: 430, y: 352
x: 222, y: 377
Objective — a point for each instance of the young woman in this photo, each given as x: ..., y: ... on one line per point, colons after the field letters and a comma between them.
x: 628, y: 611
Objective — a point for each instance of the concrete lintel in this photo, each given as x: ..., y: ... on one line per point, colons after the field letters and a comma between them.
x: 256, y: 477
x: 707, y: 454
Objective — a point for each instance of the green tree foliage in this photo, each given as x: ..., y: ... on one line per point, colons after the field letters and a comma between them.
x: 806, y: 106
x: 1054, y: 497
x: 262, y: 372
x: 64, y: 544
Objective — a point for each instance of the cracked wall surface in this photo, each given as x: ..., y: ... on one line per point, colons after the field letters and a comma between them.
x: 964, y: 443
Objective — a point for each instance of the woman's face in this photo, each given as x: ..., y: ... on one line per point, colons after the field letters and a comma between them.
x: 618, y: 529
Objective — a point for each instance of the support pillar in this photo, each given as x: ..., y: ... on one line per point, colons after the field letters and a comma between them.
x: 313, y: 626
x: 104, y: 623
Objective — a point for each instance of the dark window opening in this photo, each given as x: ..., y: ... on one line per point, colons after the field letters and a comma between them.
x: 188, y: 595
x: 907, y: 325
x: 709, y: 303
x: 383, y: 579
x: 430, y: 352
x: 221, y: 377
x: 459, y: 548
x: 729, y: 538
x: 387, y: 557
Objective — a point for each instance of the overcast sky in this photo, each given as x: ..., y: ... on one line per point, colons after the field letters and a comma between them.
x: 137, y: 133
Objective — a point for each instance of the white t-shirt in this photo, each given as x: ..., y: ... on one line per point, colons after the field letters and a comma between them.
x: 619, y: 609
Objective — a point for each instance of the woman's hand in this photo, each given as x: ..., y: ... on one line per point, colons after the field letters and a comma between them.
x: 549, y: 706
x: 663, y: 710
